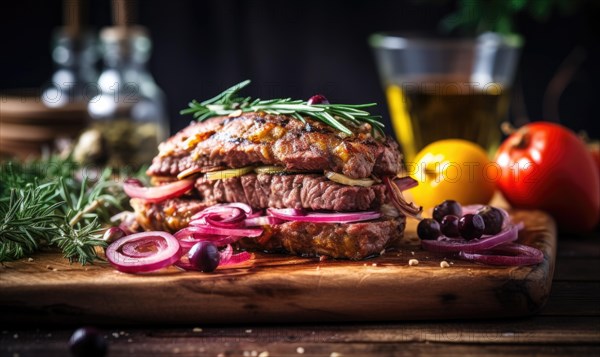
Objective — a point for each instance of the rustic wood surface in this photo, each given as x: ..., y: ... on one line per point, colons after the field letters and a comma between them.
x: 278, y: 289
x: 569, y: 325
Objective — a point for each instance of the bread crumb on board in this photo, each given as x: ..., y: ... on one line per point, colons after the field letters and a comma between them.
x: 444, y: 264
x: 413, y: 262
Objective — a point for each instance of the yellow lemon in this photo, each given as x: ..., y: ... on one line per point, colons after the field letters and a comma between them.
x: 452, y: 169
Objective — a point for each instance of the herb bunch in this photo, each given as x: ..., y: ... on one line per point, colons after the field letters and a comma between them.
x: 337, y: 116
x: 43, y: 205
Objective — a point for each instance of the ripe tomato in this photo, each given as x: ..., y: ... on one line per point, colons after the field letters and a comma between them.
x: 546, y: 166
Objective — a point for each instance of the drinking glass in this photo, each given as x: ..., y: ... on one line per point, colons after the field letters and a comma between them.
x: 441, y: 88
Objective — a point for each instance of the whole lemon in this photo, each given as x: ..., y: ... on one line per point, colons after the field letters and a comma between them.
x: 452, y: 169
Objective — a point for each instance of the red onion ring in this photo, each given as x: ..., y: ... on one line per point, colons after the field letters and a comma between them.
x: 321, y: 217
x: 167, y: 252
x: 262, y: 221
x: 231, y: 219
x: 201, y: 227
x: 191, y: 235
x: 509, y: 254
x: 158, y: 193
x: 405, y: 183
x: 445, y: 244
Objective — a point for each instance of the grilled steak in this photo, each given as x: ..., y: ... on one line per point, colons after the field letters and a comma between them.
x: 314, y: 192
x: 261, y: 139
x: 350, y: 240
x: 304, y: 151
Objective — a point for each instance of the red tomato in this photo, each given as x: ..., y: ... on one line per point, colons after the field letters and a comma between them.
x: 546, y: 166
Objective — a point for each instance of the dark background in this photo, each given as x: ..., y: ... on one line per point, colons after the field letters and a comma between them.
x: 298, y: 48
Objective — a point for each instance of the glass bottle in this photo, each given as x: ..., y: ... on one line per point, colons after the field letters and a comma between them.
x: 74, y: 55
x: 129, y: 111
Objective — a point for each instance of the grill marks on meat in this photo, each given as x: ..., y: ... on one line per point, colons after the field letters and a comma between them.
x: 350, y: 240
x: 313, y: 192
x: 261, y: 139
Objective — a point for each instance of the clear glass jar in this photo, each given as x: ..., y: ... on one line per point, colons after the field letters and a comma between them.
x: 128, y: 115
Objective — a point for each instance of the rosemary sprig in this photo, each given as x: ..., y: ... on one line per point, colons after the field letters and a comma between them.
x: 337, y: 116
x: 43, y: 205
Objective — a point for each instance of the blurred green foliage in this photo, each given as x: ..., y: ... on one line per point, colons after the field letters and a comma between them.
x: 478, y: 16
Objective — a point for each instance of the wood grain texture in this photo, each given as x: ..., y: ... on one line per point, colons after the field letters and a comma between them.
x: 281, y: 289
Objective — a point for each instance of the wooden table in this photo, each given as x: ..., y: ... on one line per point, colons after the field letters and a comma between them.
x: 568, y: 325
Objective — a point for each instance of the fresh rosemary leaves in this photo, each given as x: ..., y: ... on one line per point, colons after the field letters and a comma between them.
x: 43, y: 205
x: 334, y: 115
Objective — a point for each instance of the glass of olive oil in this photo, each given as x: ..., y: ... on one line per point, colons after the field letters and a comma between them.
x: 446, y: 88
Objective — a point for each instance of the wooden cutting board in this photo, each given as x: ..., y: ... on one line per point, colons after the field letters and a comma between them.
x: 283, y: 289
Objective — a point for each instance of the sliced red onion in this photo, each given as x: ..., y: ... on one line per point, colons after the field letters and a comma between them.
x: 227, y: 258
x: 321, y: 217
x: 161, y: 250
x: 157, y: 193
x: 226, y: 253
x: 397, y: 198
x: 445, y: 244
x: 237, y: 259
x: 201, y: 227
x: 255, y: 214
x: 231, y: 219
x: 405, y: 183
x: 509, y: 254
x: 262, y: 221
x: 191, y: 235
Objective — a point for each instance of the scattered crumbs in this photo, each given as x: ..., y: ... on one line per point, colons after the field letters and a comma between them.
x: 318, y: 268
x: 248, y: 331
x: 382, y: 252
x: 452, y: 263
x: 54, y: 269
x: 30, y: 259
x: 374, y: 264
x: 129, y: 340
x: 323, y: 258
x: 412, y: 253
x: 444, y: 264
x: 122, y: 333
x: 48, y: 267
x: 15, y: 336
x: 115, y: 334
x: 335, y: 354
x: 300, y: 350
x: 364, y: 264
x: 221, y: 354
x: 16, y: 354
x: 263, y: 354
x: 196, y: 329
x: 176, y: 350
x: 254, y: 353
x: 413, y: 262
x: 508, y: 334
x: 246, y: 353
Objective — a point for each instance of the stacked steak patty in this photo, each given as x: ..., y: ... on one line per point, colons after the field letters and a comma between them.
x: 301, y: 153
